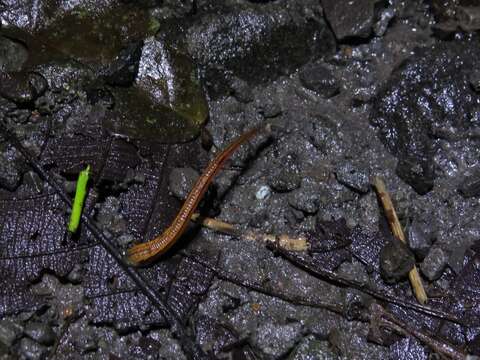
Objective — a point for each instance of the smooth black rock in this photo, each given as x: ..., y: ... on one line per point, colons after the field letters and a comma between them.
x: 285, y: 181
x: 350, y: 19
x: 256, y: 43
x: 434, y: 263
x: 396, y: 260
x: 421, y: 99
x: 124, y: 68
x: 13, y: 55
x: 319, y: 78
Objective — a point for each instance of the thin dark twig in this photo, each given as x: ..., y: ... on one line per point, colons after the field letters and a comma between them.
x: 334, y: 278
x: 230, y: 277
x: 188, y: 345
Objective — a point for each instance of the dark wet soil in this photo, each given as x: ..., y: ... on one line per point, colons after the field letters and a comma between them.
x: 148, y: 92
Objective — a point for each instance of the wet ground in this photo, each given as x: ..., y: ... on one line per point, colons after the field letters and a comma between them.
x: 147, y: 93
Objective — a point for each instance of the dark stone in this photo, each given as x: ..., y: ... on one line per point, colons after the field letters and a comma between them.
x: 306, y: 199
x: 123, y: 70
x: 9, y: 332
x: 470, y: 186
x: 422, y: 99
x: 40, y: 332
x: 22, y: 87
x: 396, y: 260
x: 10, y: 174
x: 256, y: 43
x: 419, y: 240
x: 352, y: 178
x: 434, y: 264
x: 350, y: 19
x: 181, y: 181
x: 285, y: 181
x: 241, y: 91
x: 32, y: 350
x: 319, y: 78
x: 13, y: 55
x: 475, y: 80
x: 109, y: 216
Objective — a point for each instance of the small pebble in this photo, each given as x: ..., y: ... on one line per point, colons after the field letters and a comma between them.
x: 396, y: 260
x: 9, y: 332
x: 434, y: 264
x: 40, y: 332
x: 285, y: 181
x: 418, y: 239
x: 263, y: 192
x: 32, y: 350
x: 319, y: 78
x: 353, y: 178
x: 76, y: 274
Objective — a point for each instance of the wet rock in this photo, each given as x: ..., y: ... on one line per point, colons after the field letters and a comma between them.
x: 422, y: 99
x: 22, y: 87
x: 470, y: 186
x: 86, y: 341
x: 32, y: 350
x: 419, y: 240
x: 319, y: 78
x: 276, y: 340
x: 396, y: 260
x: 40, y: 332
x: 167, y: 102
x: 75, y: 276
x: 241, y: 90
x: 434, y: 263
x: 256, y: 43
x: 10, y: 175
x: 348, y: 175
x: 306, y: 198
x: 9, y: 332
x: 285, y: 181
x: 350, y: 19
x: 381, y: 25
x: 269, y: 107
x: 13, y: 55
x: 181, y: 181
x: 456, y: 257
x: 475, y: 80
x: 123, y: 70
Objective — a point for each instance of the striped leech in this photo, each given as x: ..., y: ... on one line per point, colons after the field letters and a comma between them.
x: 148, y: 251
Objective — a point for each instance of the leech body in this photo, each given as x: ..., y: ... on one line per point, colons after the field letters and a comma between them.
x: 144, y: 252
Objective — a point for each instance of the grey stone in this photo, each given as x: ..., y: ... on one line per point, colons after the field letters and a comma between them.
x: 9, y: 332
x: 276, y: 340
x: 40, y: 332
x: 32, y: 350
x: 181, y: 181
x: 12, y: 55
x: 434, y: 264
x: 350, y: 18
x: 353, y: 178
x: 319, y: 78
x: 419, y: 240
x: 396, y: 260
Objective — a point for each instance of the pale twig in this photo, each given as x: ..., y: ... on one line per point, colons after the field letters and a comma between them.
x: 397, y: 231
x: 284, y: 241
